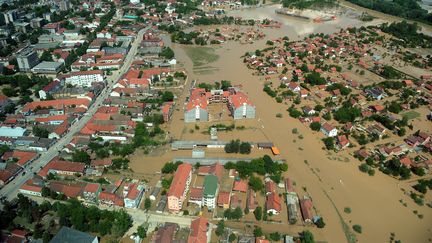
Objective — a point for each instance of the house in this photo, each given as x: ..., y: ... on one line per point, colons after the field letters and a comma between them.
x: 294, y: 87
x: 28, y: 188
x: 235, y: 201
x: 292, y: 202
x: 133, y: 193
x: 199, y: 228
x: 167, y: 111
x: 328, y: 130
x: 308, y: 111
x: 23, y: 158
x: 4, y: 102
x: 342, y: 142
x: 376, y: 129
x: 63, y: 168
x: 91, y: 192
x: 306, y: 210
x: 57, y: 104
x: 224, y: 200
x: 273, y: 204
x: 179, y: 187
x: 240, y: 185
x: 165, y: 233
x: 270, y: 187
x: 110, y: 199
x: 67, y: 234
x: 240, y: 106
x: 251, y: 200
x: 196, y: 196
x: 210, y: 191
x: 101, y: 163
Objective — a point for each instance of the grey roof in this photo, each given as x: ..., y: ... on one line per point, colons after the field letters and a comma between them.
x: 48, y: 65
x: 68, y: 235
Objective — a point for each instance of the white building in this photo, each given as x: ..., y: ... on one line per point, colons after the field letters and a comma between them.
x: 132, y: 195
x: 329, y: 130
x: 84, y: 78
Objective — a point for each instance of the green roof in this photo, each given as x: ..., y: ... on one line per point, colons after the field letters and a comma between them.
x: 210, y: 186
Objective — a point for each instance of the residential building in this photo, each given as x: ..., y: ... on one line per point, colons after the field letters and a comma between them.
x: 67, y: 234
x: 84, y: 78
x: 210, y: 191
x: 306, y: 210
x: 240, y: 106
x: 165, y: 233
x: 196, y: 110
x: 179, y: 187
x: 224, y: 200
x: 251, y: 200
x: 329, y: 130
x: 199, y: 228
x: 28, y: 188
x: 292, y: 202
x: 196, y: 196
x: 132, y: 195
x: 273, y: 204
x: 91, y: 192
x: 63, y: 168
x: 10, y: 16
x: 27, y: 59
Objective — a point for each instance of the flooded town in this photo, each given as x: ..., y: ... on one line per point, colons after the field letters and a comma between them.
x: 215, y: 121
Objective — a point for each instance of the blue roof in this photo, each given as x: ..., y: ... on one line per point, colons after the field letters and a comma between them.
x: 12, y: 131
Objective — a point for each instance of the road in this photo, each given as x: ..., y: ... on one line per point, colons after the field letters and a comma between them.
x: 10, y: 190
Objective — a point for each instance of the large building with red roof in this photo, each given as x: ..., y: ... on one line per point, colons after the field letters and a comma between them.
x: 57, y: 104
x: 62, y: 167
x: 199, y: 229
x: 238, y: 103
x: 179, y: 187
x: 240, y: 106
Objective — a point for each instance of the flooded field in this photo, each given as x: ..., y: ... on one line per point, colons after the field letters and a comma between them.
x: 332, y: 180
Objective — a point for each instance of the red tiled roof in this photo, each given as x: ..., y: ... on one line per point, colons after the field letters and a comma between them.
x: 178, y: 183
x: 22, y: 156
x: 198, y: 231
x: 51, y: 118
x: 305, y: 207
x: 59, y: 165
x: 270, y: 186
x: 239, y: 99
x: 29, y: 187
x: 240, y: 185
x: 101, y: 162
x: 196, y: 193
x: 92, y: 187
x: 70, y: 191
x: 223, y: 198
x: 273, y: 202
x: 133, y: 191
x: 57, y: 103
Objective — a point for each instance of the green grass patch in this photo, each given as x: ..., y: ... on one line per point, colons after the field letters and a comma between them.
x: 411, y: 115
x: 201, y: 56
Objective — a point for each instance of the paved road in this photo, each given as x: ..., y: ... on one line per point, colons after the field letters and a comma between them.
x: 11, y: 190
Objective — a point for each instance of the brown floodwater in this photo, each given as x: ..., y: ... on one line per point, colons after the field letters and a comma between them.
x: 332, y: 180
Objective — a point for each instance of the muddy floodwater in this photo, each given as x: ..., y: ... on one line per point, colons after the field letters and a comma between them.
x: 332, y: 180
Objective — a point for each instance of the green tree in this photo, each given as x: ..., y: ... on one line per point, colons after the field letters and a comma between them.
x: 357, y: 228
x: 320, y: 223
x: 316, y: 126
x: 147, y: 203
x: 220, y: 228
x: 232, y: 237
x: 81, y: 156
x: 256, y: 183
x: 307, y: 237
x: 258, y: 232
x: 258, y: 213
x: 40, y: 132
x: 142, y: 232
x: 245, y: 148
x: 275, y: 236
